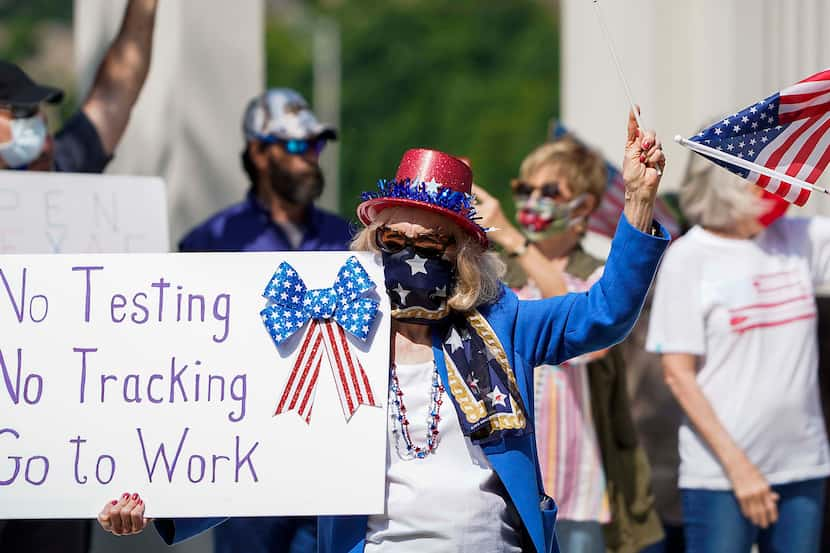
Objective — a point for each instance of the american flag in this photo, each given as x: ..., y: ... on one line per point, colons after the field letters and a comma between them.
x: 789, y: 132
x: 604, y: 220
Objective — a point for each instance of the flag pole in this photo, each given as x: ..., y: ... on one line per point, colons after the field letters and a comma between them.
x: 617, y: 63
x: 744, y: 164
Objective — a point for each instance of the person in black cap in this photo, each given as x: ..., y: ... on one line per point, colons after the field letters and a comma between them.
x: 88, y: 140
x: 85, y: 145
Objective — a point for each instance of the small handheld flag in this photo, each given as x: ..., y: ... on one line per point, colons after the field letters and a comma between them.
x: 782, y: 143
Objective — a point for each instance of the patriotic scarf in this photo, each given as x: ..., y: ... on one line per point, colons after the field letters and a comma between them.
x: 481, y: 380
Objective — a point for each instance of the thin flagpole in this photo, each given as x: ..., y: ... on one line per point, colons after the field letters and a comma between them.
x: 748, y: 165
x: 617, y: 63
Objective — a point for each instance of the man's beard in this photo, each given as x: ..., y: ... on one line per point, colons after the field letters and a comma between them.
x: 297, y: 189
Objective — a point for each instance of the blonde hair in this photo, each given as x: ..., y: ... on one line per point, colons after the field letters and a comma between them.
x: 715, y: 198
x: 584, y: 168
x: 478, y: 271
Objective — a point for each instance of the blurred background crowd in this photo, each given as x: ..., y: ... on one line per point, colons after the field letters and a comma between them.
x: 486, y: 81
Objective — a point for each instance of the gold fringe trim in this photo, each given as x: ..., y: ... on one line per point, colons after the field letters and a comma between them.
x: 420, y: 313
x: 474, y: 410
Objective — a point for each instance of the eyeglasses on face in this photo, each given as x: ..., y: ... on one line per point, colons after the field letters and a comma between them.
x: 295, y: 146
x: 428, y: 245
x: 20, y: 112
x: 523, y: 190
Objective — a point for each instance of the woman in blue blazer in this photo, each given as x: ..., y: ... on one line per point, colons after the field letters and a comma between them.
x: 462, y: 474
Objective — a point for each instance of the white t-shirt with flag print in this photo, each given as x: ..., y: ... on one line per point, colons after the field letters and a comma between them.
x: 747, y: 309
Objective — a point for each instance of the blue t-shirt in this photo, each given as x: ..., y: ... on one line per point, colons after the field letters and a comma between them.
x: 248, y: 227
x: 78, y: 147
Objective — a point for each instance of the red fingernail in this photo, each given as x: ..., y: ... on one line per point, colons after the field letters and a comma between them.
x: 125, y: 496
x: 646, y: 145
x: 642, y: 158
x: 135, y: 496
x: 115, y: 502
x: 141, y: 502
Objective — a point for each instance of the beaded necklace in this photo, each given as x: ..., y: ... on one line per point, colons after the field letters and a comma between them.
x: 401, y: 428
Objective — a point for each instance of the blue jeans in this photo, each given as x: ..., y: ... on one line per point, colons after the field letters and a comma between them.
x: 714, y: 523
x: 674, y: 542
x: 579, y: 536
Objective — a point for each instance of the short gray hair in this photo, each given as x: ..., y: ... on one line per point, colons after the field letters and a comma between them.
x: 714, y: 198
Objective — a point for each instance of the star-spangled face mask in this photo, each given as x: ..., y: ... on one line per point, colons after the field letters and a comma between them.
x: 418, y: 287
x: 28, y: 140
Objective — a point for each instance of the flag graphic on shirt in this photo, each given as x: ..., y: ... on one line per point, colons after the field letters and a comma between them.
x: 604, y: 220
x: 789, y: 132
x: 778, y: 299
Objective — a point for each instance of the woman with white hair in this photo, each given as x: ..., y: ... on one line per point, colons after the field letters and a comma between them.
x: 461, y: 468
x: 734, y: 318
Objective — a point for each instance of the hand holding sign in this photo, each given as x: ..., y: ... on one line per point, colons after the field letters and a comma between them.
x: 124, y: 516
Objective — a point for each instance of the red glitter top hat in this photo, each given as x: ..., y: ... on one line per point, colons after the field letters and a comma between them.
x: 431, y: 180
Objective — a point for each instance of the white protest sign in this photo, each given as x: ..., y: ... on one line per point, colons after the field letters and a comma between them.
x: 81, y: 213
x: 156, y: 374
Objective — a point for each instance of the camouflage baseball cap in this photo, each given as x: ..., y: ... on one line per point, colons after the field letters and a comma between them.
x: 284, y: 113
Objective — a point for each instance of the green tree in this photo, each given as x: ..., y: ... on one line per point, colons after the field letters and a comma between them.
x: 476, y: 79
x: 22, y: 23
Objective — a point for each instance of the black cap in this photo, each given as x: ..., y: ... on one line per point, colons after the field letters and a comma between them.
x: 17, y: 89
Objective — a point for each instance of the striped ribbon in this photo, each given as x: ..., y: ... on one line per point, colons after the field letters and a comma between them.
x: 352, y: 384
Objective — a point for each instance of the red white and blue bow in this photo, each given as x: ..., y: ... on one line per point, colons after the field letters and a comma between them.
x: 333, y: 312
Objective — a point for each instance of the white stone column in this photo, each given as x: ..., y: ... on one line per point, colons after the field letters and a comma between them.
x: 208, y: 61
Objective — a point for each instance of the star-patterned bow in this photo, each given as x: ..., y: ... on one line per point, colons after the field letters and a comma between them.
x: 333, y: 312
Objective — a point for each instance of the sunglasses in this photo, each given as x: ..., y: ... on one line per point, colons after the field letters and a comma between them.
x: 522, y: 189
x: 20, y: 112
x: 295, y: 146
x: 430, y: 246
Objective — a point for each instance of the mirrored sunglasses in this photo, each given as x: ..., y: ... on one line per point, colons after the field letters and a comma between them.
x: 295, y: 146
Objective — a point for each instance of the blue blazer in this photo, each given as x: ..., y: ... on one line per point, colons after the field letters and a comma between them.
x: 550, y: 331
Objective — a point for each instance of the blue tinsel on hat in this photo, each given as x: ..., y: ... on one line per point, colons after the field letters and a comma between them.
x: 452, y: 200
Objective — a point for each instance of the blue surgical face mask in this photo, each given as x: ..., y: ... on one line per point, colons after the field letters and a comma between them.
x: 27, y: 143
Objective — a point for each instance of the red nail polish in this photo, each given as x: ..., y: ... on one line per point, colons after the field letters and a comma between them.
x: 114, y: 502
x: 135, y: 496
x: 125, y: 496
x: 141, y: 502
x: 642, y: 158
x: 646, y: 145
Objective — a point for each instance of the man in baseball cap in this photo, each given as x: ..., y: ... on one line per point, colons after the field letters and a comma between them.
x: 283, y: 142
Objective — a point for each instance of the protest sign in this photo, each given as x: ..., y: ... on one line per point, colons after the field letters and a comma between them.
x: 80, y: 213
x: 190, y: 379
